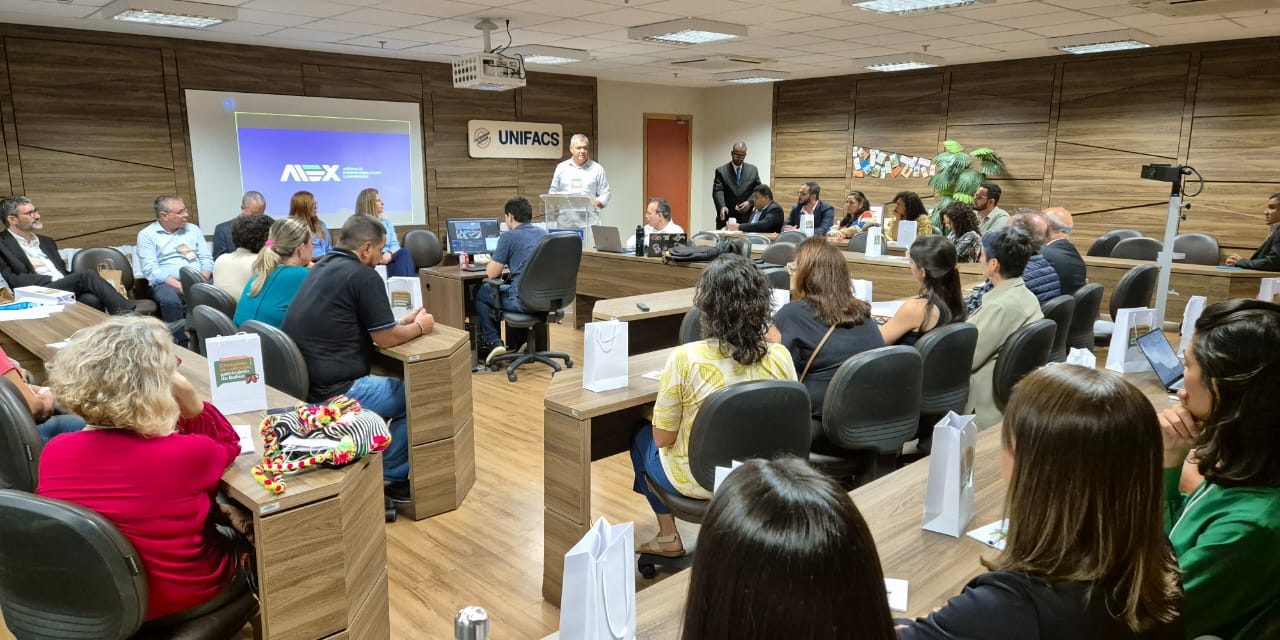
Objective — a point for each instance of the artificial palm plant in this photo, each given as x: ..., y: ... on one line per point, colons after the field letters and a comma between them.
x: 957, y: 177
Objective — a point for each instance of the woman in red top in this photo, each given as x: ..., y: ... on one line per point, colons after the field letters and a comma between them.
x: 154, y: 481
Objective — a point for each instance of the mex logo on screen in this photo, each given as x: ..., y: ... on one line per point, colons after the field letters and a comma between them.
x: 310, y: 173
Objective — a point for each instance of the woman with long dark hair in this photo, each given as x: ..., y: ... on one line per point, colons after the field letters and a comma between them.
x: 908, y: 206
x: 933, y: 263
x: 962, y: 230
x: 857, y: 213
x: 1227, y: 531
x: 784, y: 553
x: 734, y: 299
x: 1085, y: 554
x: 823, y: 325
x: 303, y: 207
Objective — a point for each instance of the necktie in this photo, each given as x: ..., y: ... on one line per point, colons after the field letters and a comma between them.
x: 737, y: 174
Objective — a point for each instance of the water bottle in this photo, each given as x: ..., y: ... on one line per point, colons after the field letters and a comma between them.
x: 639, y: 240
x: 472, y: 623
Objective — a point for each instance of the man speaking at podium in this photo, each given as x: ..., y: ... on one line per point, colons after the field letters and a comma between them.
x: 579, y: 175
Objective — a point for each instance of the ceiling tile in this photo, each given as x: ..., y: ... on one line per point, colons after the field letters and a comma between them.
x: 446, y: 49
x: 630, y: 17
x: 350, y: 28
x: 933, y: 20
x: 240, y: 27
x: 847, y: 32
x: 385, y: 18
x: 1043, y: 19
x: 381, y: 42
x: 435, y: 8
x: 1211, y: 29
x: 1115, y: 11
x: 313, y: 35
x: 1076, y: 28
x: 273, y: 18
x: 971, y: 29
x: 809, y: 23
x: 1002, y: 10
x: 566, y: 10
x: 314, y: 8
x: 50, y: 9
x: 422, y: 36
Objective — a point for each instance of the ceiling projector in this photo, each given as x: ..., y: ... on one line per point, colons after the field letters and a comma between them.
x: 488, y: 70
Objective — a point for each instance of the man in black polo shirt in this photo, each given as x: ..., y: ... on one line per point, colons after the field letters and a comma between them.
x: 337, y: 316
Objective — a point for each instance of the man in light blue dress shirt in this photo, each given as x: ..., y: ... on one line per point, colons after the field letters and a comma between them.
x: 164, y: 247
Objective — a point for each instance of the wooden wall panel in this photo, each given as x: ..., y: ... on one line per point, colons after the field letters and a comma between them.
x: 568, y: 100
x: 882, y: 191
x: 1236, y: 148
x: 215, y: 67
x: 805, y: 105
x: 1088, y: 226
x: 899, y: 115
x: 82, y: 195
x: 1232, y: 211
x: 1021, y: 146
x: 361, y: 84
x: 1134, y: 107
x: 810, y: 154
x: 1017, y: 92
x: 470, y: 203
x: 96, y: 100
x: 1239, y: 81
x: 1087, y: 179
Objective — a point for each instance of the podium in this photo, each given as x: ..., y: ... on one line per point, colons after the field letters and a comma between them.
x: 569, y: 211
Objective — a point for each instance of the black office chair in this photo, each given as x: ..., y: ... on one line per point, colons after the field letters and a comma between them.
x: 704, y: 236
x: 1135, y: 289
x: 757, y: 419
x: 20, y: 443
x: 282, y: 362
x: 691, y: 326
x: 1137, y: 249
x: 944, y: 387
x: 425, y: 248
x: 203, y: 293
x: 794, y: 237
x: 857, y: 244
x: 871, y: 409
x: 70, y: 574
x: 779, y: 253
x: 757, y: 240
x: 1199, y: 248
x: 546, y: 287
x: 739, y: 245
x: 97, y: 258
x: 778, y: 277
x: 1026, y: 350
x: 189, y: 276
x: 207, y: 322
x: 1106, y: 242
x: 1061, y: 310
x: 1088, y: 300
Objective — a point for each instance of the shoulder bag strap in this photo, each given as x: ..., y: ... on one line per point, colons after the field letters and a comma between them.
x: 816, y: 349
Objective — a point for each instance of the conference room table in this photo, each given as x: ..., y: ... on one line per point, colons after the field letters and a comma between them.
x: 321, y: 545
x: 603, y: 275
x: 935, y: 566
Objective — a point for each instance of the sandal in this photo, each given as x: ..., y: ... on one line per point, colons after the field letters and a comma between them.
x: 654, y: 547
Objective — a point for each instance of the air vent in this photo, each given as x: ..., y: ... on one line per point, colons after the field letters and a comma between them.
x: 1189, y: 8
x: 719, y: 63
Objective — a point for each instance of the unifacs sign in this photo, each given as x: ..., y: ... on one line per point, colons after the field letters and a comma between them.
x: 501, y: 139
x: 310, y: 173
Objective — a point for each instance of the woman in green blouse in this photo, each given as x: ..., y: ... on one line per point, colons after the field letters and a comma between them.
x: 1226, y: 533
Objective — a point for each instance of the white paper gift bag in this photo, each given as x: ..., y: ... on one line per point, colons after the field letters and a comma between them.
x: 598, y: 596
x: 874, y: 250
x: 948, y: 502
x: 382, y: 271
x: 1195, y: 307
x: 806, y: 223
x: 862, y: 290
x: 604, y: 356
x: 1123, y: 355
x: 1269, y: 290
x: 405, y: 294
x: 237, y: 383
x: 906, y: 232
x: 778, y: 298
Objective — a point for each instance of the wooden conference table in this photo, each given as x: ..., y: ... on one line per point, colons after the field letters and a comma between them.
x: 321, y: 545
x: 935, y: 566
x: 603, y: 276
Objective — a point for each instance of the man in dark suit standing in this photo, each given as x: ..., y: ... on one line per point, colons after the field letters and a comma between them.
x: 767, y: 218
x: 28, y: 259
x: 734, y: 183
x: 1267, y: 257
x: 251, y: 203
x: 824, y: 215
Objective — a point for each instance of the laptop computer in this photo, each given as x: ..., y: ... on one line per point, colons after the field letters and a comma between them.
x: 607, y: 239
x: 660, y: 243
x: 1163, y: 360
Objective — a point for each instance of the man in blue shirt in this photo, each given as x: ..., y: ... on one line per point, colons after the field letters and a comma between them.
x: 515, y: 248
x: 164, y: 247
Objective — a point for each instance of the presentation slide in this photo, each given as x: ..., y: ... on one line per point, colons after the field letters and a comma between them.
x: 279, y: 145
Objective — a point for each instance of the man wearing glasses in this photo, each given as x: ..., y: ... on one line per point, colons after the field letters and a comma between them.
x: 164, y: 247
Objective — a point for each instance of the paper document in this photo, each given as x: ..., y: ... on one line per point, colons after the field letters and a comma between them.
x: 991, y: 535
x: 654, y: 375
x: 897, y: 591
x: 34, y: 313
x: 308, y: 444
x: 246, y: 438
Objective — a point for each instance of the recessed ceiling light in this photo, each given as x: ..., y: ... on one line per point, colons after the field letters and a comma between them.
x: 543, y: 54
x: 904, y: 7
x: 751, y: 76
x: 169, y: 13
x: 900, y: 62
x: 1103, y: 42
x: 687, y: 31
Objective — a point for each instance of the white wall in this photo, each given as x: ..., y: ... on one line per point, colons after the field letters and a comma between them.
x: 720, y: 116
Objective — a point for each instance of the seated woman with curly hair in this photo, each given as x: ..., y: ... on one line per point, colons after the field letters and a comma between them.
x: 149, y: 459
x: 733, y: 297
